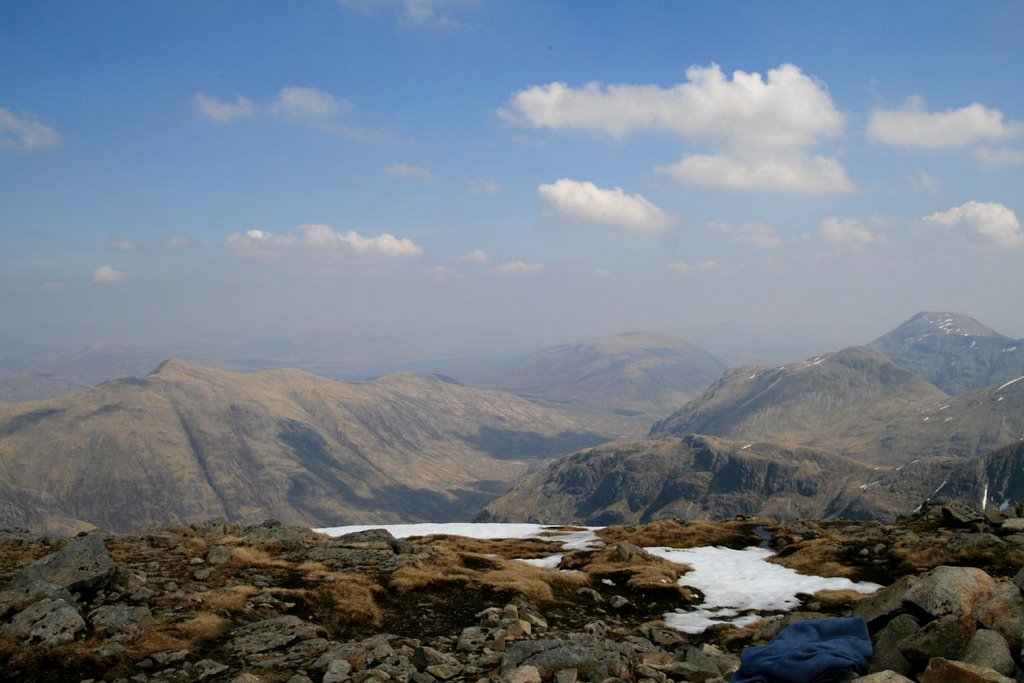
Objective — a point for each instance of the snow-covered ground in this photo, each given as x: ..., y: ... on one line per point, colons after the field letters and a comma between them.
x: 734, y: 582
x: 570, y: 540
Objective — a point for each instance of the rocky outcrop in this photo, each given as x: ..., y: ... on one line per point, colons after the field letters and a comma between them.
x: 269, y: 603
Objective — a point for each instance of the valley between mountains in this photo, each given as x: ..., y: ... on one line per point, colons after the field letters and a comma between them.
x: 624, y: 429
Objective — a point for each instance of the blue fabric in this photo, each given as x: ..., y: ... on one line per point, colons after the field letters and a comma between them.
x: 813, y: 651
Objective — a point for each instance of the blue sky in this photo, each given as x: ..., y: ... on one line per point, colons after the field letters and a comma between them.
x: 470, y: 175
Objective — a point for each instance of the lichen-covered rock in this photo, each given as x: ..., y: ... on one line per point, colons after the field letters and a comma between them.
x: 989, y: 648
x: 946, y: 637
x: 1003, y: 612
x: 47, y: 622
x: 887, y: 655
x: 84, y: 563
x: 270, y: 634
x: 120, y: 622
x: 945, y: 671
x: 951, y: 591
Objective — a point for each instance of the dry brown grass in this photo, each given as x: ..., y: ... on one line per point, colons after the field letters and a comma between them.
x: 831, y: 598
x: 449, y: 566
x: 348, y: 599
x: 685, y: 534
x: 158, y: 638
x: 642, y: 573
x: 203, y: 626
x: 195, y: 546
x: 817, y: 557
x: 244, y: 556
x: 232, y: 599
x: 508, y: 548
x: 311, y: 567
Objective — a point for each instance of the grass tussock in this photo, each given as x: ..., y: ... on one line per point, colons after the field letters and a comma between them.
x: 157, y: 639
x: 831, y: 598
x: 449, y: 566
x: 203, y: 626
x: 641, y: 573
x: 195, y: 546
x: 507, y: 548
x: 232, y: 599
x: 817, y: 557
x: 243, y: 556
x: 348, y: 599
x: 675, y: 533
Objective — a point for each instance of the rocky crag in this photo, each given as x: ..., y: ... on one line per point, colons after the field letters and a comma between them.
x: 220, y: 602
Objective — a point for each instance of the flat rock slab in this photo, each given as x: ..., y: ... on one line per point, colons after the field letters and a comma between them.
x: 84, y: 563
x: 48, y: 622
x: 270, y: 634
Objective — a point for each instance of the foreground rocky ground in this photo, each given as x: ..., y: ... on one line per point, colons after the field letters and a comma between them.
x: 219, y: 602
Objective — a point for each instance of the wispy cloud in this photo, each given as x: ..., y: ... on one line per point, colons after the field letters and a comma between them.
x: 574, y: 201
x: 698, y: 267
x: 922, y: 181
x: 324, y: 238
x: 306, y: 103
x: 753, y: 234
x: 124, y: 245
x: 26, y: 132
x: 108, y: 276
x: 519, y: 268
x: 849, y: 233
x: 999, y: 157
x: 409, y: 171
x: 790, y: 173
x: 412, y: 13
x: 223, y: 111
x: 488, y: 187
x: 475, y: 256
x: 178, y: 242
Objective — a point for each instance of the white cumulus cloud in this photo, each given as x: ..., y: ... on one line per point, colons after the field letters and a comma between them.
x: 914, y: 127
x: 922, y: 181
x: 584, y: 202
x: 992, y: 221
x: 409, y: 171
x: 792, y: 172
x: 222, y: 111
x: 26, y: 132
x: 475, y: 256
x: 849, y: 233
x: 325, y: 238
x: 787, y: 109
x: 698, y: 267
x: 999, y: 157
x: 519, y: 268
x: 108, y: 276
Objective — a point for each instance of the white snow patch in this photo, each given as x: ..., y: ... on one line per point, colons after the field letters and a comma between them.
x: 1009, y: 383
x: 549, y: 562
x: 973, y: 343
x: 570, y: 540
x: 984, y: 497
x: 752, y: 376
x: 608, y: 582
x: 943, y: 407
x: 865, y: 487
x: 1012, y: 348
x: 1005, y: 505
x: 926, y: 419
x: 746, y: 447
x: 737, y: 582
x: 948, y: 419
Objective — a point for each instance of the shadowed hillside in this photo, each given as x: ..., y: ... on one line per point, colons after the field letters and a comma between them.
x: 190, y: 442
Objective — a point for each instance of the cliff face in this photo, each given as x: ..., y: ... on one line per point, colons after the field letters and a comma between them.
x: 694, y: 477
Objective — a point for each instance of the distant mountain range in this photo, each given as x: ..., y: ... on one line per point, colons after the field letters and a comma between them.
x: 954, y: 352
x: 188, y: 442
x: 855, y: 403
x: 628, y: 379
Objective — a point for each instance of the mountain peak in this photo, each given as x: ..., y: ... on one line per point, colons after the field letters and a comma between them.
x: 942, y: 322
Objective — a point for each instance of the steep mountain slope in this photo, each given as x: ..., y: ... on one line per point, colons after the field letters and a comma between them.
x: 190, y: 442
x: 691, y: 478
x: 954, y: 352
x: 631, y: 378
x: 855, y: 403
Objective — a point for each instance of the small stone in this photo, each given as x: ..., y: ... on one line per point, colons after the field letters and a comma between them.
x: 218, y: 554
x: 521, y: 674
x: 566, y: 676
x: 471, y: 639
x: 109, y: 650
x: 206, y: 668
x: 246, y: 678
x: 1012, y: 526
x: 884, y: 677
x: 444, y: 672
x: 510, y: 612
x: 619, y: 602
x: 337, y: 670
x: 945, y: 671
x: 169, y: 656
x: 988, y: 648
x: 590, y: 594
x: 202, y: 574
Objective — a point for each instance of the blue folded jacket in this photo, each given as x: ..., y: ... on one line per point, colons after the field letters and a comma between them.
x: 813, y: 651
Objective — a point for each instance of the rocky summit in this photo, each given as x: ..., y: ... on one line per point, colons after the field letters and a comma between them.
x: 220, y: 602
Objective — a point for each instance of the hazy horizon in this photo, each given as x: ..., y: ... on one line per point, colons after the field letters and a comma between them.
x: 413, y: 180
